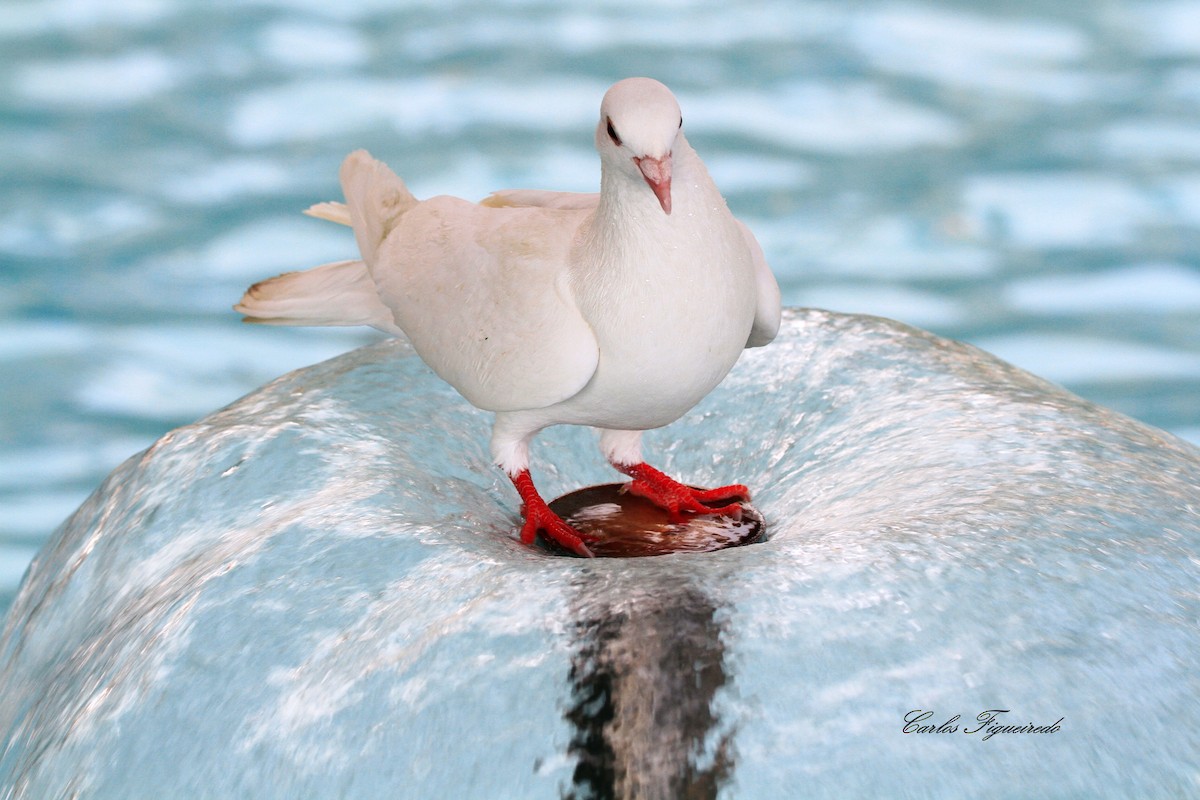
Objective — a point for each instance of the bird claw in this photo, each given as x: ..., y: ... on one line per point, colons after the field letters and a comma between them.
x: 540, y: 519
x: 679, y: 498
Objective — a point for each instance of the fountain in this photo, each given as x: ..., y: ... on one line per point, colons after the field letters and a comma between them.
x: 317, y: 592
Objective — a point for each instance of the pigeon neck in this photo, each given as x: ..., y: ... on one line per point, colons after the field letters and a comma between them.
x: 626, y: 200
x: 629, y: 230
x: 622, y: 200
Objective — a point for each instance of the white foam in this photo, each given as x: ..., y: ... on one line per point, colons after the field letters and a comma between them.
x: 1149, y: 287
x: 1170, y: 28
x: 39, y: 513
x: 473, y: 175
x: 13, y: 562
x: 323, y: 108
x: 312, y: 110
x: 1189, y: 434
x: 745, y: 172
x: 323, y: 8
x: 469, y: 175
x: 841, y: 117
x: 905, y: 29
x: 41, y: 467
x: 314, y: 46
x: 259, y: 249
x: 109, y: 82
x: 832, y: 117
x: 226, y: 180
x: 1184, y: 84
x: 164, y: 392
x: 33, y: 18
x: 844, y: 117
x: 27, y: 339
x: 65, y: 225
x: 913, y: 307
x: 1055, y: 210
x: 1071, y: 359
x: 1025, y: 57
x: 884, y: 247
x: 1151, y: 139
x: 899, y: 247
x: 574, y: 29
x: 1182, y: 193
x: 174, y: 372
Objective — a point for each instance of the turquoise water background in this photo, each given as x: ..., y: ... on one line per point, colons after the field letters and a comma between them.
x: 1023, y: 176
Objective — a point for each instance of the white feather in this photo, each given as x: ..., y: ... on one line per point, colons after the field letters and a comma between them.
x: 341, y: 293
x: 332, y: 211
x: 606, y: 309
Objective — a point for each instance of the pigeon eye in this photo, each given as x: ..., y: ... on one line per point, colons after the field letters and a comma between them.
x: 681, y: 122
x: 612, y: 132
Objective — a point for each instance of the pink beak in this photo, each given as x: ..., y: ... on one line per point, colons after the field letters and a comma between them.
x: 657, y: 172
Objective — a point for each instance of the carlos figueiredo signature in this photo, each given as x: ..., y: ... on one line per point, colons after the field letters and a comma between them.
x: 986, y: 725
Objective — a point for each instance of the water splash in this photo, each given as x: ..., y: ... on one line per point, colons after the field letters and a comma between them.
x: 316, y: 592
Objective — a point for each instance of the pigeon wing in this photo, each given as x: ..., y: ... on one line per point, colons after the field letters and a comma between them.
x: 484, y: 295
x: 768, y: 310
x: 538, y: 198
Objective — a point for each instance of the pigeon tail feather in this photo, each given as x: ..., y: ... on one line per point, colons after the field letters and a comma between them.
x: 330, y: 210
x: 341, y: 293
x: 376, y: 198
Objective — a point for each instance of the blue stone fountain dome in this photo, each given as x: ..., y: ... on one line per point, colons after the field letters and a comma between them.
x: 316, y: 592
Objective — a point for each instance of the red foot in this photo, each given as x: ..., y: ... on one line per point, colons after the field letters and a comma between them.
x: 672, y: 495
x: 539, y: 517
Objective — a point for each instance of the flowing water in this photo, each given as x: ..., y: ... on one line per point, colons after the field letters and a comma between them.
x: 316, y: 593
x: 1020, y: 175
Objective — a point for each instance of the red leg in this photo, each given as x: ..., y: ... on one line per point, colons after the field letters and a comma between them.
x: 539, y: 517
x: 672, y: 495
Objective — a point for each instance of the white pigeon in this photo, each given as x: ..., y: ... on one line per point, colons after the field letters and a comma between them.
x: 618, y: 310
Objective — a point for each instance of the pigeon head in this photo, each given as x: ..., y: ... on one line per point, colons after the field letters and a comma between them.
x: 639, y: 123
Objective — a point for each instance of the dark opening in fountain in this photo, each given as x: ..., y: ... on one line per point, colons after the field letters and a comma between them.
x: 627, y: 526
